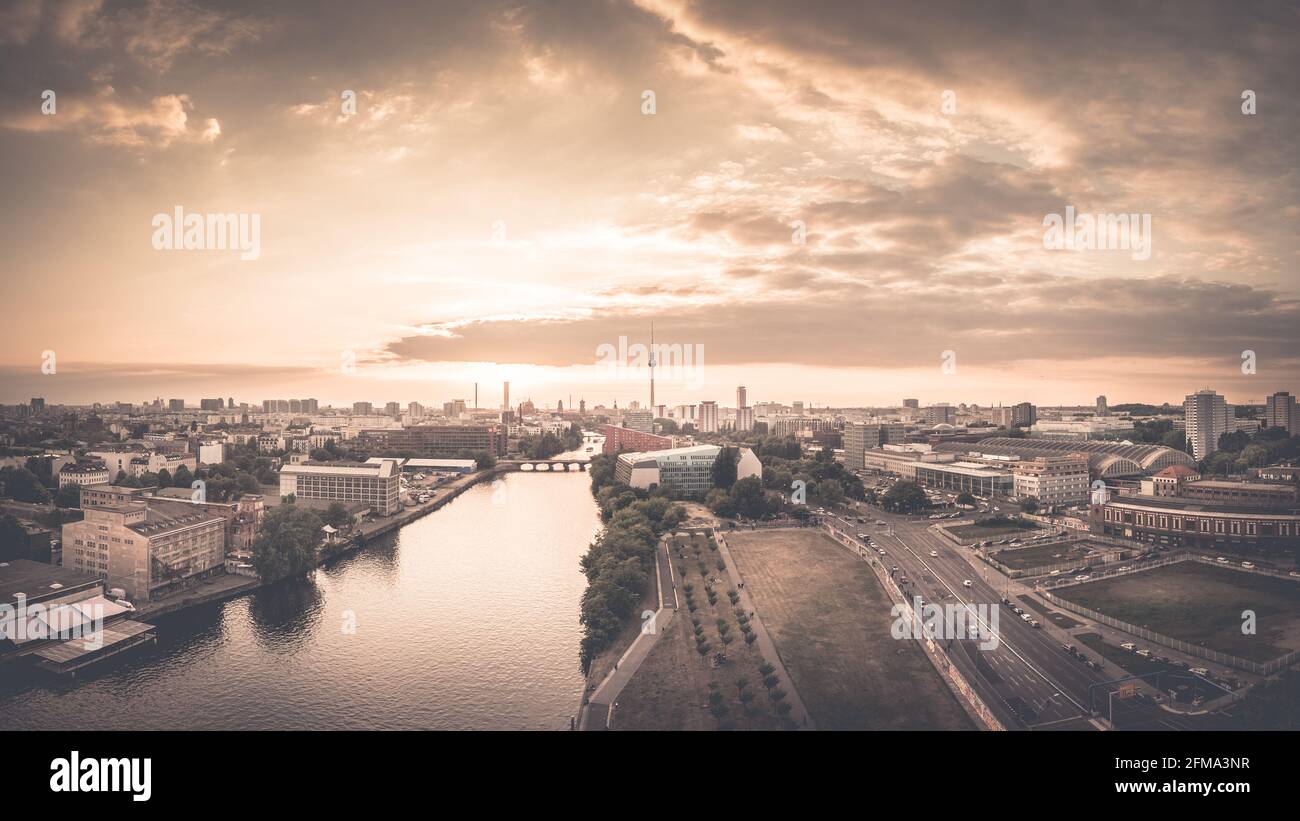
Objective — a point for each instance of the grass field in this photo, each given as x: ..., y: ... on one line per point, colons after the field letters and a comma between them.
x: 1203, y: 605
x: 1021, y: 558
x: 830, y: 621
x: 977, y: 532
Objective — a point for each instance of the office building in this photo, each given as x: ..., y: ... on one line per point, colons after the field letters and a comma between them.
x: 435, y: 440
x: 91, y: 474
x: 146, y: 549
x: 689, y: 470
x: 363, y: 409
x: 639, y: 420
x: 375, y: 485
x: 1054, y: 481
x: 627, y: 440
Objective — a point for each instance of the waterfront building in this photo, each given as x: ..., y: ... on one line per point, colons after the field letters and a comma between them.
x: 687, y: 470
x: 1206, y: 417
x: 436, y: 440
x: 146, y: 549
x: 373, y: 484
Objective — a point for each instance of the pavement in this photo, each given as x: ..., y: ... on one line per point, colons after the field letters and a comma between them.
x: 598, y: 713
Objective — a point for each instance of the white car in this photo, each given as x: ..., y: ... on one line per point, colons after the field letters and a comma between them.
x: 1082, y: 578
x: 966, y: 583
x: 1248, y: 565
x: 934, y: 554
x: 1221, y: 560
x: 881, y: 552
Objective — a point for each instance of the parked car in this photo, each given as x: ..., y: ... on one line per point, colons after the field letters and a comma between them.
x: 966, y: 583
x: 934, y: 554
x: 1128, y: 645
x: 1248, y: 565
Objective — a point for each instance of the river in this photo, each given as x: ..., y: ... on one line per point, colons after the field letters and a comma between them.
x: 464, y: 619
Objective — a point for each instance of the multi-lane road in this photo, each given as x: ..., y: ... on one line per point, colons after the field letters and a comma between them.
x: 1028, y: 681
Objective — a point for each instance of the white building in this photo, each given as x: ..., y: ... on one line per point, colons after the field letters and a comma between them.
x: 688, y: 470
x: 83, y: 475
x: 1206, y: 417
x: 1054, y: 481
x: 708, y: 421
x: 376, y: 485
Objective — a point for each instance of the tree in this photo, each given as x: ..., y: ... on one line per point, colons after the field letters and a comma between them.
x: 724, y: 469
x: 287, y: 545
x: 904, y: 497
x: 22, y: 485
x: 13, y: 538
x: 337, y: 516
x: 68, y: 496
x: 1029, y: 505
x: 183, y: 477
x: 965, y: 498
x: 749, y: 498
x: 164, y: 478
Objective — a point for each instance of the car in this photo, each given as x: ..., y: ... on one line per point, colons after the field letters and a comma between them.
x: 1025, y: 617
x: 966, y: 583
x: 1200, y: 671
x: 1221, y: 560
x: 1128, y: 645
x: 997, y: 508
x: 1069, y: 648
x: 862, y: 537
x: 1054, y: 573
x: 1294, y: 574
x: 1082, y: 578
x: 1248, y: 565
x: 934, y: 554
x: 1034, y: 623
x: 881, y: 552
x: 1016, y: 609
x: 1144, y: 653
x: 880, y: 522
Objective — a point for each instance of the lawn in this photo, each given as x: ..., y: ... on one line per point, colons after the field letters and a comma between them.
x: 1203, y: 605
x: 1022, y: 558
x: 830, y: 621
x: 977, y: 531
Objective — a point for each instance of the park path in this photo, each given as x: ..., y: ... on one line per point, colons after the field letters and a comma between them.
x: 598, y: 712
x: 798, y: 712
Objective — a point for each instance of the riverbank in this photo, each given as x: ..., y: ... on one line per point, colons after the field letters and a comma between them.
x: 225, y: 587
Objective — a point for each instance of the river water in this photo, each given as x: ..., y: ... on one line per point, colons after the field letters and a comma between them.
x: 464, y: 619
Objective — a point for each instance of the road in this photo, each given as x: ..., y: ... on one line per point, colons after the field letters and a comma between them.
x: 1028, y: 681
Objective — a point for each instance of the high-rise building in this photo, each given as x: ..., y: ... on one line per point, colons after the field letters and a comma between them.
x: 363, y: 409
x: 796, y: 408
x: 1206, y: 417
x: 941, y: 414
x: 393, y: 409
x: 914, y: 404
x: 708, y: 421
x: 1024, y: 414
x: 212, y: 404
x: 175, y: 404
x: 38, y: 405
x: 1280, y: 412
x: 1102, y: 408
x: 639, y: 420
x: 415, y: 409
x: 505, y: 404
x: 310, y: 406
x: 741, y: 397
x: 744, y: 418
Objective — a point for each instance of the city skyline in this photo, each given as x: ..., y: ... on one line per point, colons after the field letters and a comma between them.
x: 826, y: 201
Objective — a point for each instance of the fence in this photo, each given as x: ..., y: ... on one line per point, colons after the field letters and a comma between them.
x: 1259, y: 668
x: 965, y: 693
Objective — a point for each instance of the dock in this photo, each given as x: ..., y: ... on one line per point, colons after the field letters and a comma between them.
x: 69, y: 656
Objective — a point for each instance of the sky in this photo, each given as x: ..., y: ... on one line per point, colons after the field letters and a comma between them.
x: 837, y: 203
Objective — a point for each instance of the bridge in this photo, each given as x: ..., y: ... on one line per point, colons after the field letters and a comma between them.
x: 545, y: 465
